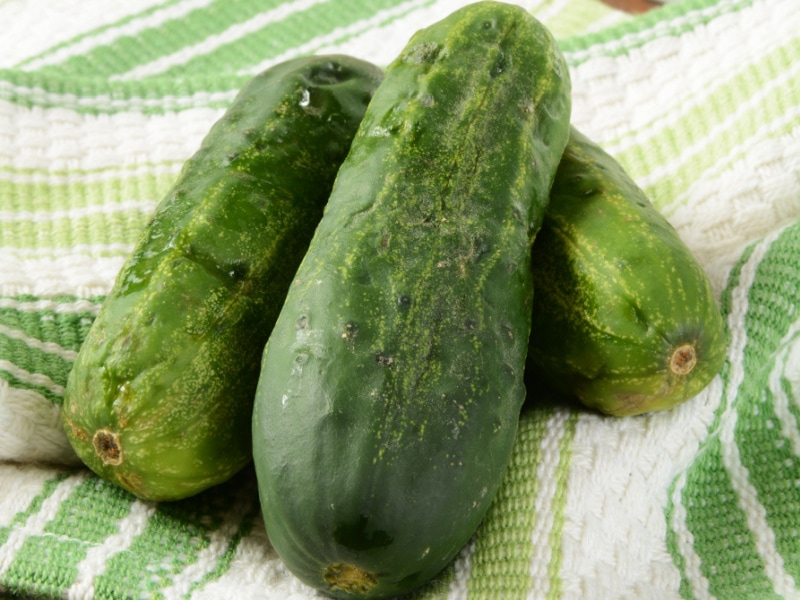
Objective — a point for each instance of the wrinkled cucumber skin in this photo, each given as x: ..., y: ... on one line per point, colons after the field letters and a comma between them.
x: 171, y: 363
x: 617, y: 292
x: 391, y: 385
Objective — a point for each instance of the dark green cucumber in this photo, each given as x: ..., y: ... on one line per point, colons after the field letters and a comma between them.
x: 160, y: 397
x: 624, y: 317
x: 392, y: 382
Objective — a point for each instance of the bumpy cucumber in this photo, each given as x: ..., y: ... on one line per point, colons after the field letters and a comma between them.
x: 160, y: 397
x: 392, y: 382
x: 624, y: 317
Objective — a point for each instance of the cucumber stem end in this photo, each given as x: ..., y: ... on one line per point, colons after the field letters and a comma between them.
x: 683, y: 359
x: 108, y: 447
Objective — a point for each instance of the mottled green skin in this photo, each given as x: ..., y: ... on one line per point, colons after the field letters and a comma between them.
x: 391, y: 385
x: 171, y: 363
x: 617, y: 291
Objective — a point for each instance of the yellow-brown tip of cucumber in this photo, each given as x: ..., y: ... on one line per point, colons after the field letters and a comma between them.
x: 349, y: 578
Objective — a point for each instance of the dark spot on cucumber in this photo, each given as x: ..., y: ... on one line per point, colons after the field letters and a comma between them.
x: 302, y: 323
x: 108, y: 447
x: 358, y: 536
x: 426, y: 52
x: 362, y: 277
x: 479, y: 249
x: 384, y: 359
x: 639, y: 315
x: 350, y: 332
x: 237, y: 270
x: 499, y: 67
x: 233, y: 116
x: 404, y: 301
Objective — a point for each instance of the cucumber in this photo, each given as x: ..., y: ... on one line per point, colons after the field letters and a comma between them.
x: 159, y: 399
x: 624, y: 317
x: 392, y: 382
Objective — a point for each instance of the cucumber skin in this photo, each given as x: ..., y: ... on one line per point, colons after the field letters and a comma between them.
x: 392, y: 382
x: 617, y: 291
x: 171, y: 363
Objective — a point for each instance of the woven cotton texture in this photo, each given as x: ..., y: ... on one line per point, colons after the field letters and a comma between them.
x: 101, y: 104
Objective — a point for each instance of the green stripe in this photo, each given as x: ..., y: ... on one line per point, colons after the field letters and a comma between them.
x: 726, y: 308
x: 28, y: 303
x: 791, y: 390
x: 559, y: 506
x: 224, y: 562
x: 671, y: 20
x: 107, y: 504
x: 776, y: 131
x: 66, y: 184
x: 580, y: 15
x: 34, y: 360
x: 774, y: 472
x: 501, y: 561
x: 774, y: 469
x: 173, y: 538
x: 702, y: 163
x: 697, y: 129
x: 95, y: 229
x: 740, y: 88
x: 36, y: 215
x: 503, y: 545
x: 128, y: 52
x: 62, y: 557
x: 672, y: 543
x: 96, y: 96
x: 97, y: 31
x: 19, y: 519
x: 42, y: 390
x: 277, y: 38
x: 66, y: 330
x: 721, y: 537
x: 67, y: 537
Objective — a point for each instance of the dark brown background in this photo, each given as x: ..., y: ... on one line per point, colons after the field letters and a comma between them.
x: 632, y: 6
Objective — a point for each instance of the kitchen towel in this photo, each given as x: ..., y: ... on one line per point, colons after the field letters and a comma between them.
x: 699, y: 100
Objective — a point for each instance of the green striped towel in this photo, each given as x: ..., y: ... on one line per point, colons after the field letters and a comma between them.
x: 100, y: 104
